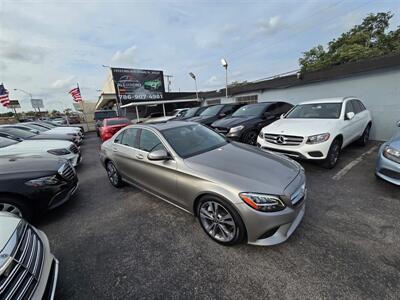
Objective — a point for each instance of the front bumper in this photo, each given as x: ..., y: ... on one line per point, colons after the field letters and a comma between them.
x: 387, y: 169
x: 48, y: 280
x: 302, y: 151
x: 74, y: 158
x: 63, y: 196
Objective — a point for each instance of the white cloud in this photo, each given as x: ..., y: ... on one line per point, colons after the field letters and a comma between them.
x: 124, y: 58
x: 270, y: 25
x: 64, y: 83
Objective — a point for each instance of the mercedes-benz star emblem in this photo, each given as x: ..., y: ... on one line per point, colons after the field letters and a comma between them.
x: 280, y: 139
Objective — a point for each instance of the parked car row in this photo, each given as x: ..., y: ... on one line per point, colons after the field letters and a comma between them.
x: 37, y: 174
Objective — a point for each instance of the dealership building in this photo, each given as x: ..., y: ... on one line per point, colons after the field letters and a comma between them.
x: 375, y: 81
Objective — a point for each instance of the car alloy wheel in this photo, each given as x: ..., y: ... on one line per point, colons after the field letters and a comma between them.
x: 113, y: 175
x: 363, y: 140
x: 217, y: 221
x: 250, y: 138
x: 333, y: 155
x: 6, y: 207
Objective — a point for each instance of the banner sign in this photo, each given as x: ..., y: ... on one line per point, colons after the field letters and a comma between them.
x: 135, y: 85
x: 37, y: 103
x: 14, y: 104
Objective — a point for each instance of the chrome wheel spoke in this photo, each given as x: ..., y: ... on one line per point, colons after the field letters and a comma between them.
x: 10, y: 208
x: 206, y: 214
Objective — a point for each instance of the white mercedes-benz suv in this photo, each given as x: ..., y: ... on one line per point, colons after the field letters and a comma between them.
x: 318, y: 129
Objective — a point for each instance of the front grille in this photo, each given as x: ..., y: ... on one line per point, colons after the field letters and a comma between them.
x: 74, y: 149
x: 390, y: 173
x: 67, y: 172
x: 287, y: 140
x: 21, y: 278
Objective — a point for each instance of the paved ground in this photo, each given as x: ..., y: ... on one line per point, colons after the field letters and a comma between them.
x: 123, y: 243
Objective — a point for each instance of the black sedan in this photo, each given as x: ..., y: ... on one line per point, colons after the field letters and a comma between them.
x: 215, y: 112
x: 16, y: 133
x: 245, y: 123
x: 32, y: 185
x: 190, y: 113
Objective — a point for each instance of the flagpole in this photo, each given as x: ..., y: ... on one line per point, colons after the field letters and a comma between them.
x: 83, y: 108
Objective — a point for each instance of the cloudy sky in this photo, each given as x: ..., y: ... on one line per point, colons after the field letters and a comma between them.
x: 46, y: 46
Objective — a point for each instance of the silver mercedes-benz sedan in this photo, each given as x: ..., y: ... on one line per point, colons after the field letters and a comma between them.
x: 238, y: 192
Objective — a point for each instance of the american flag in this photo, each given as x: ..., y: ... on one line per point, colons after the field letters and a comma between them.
x: 4, y: 100
x: 76, y: 94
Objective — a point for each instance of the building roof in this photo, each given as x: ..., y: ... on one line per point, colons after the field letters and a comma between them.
x: 334, y: 72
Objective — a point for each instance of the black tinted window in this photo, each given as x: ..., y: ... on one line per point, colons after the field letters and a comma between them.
x: 349, y: 107
x: 112, y: 122
x: 149, y: 141
x: 315, y: 111
x: 361, y: 105
x: 119, y: 137
x: 129, y: 137
x: 357, y: 107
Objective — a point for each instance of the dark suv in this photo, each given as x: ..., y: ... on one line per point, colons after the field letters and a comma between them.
x: 245, y: 123
x: 31, y: 185
x: 215, y: 112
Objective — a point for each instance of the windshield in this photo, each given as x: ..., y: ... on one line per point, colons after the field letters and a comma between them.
x: 4, y: 142
x: 192, y: 140
x: 101, y: 115
x: 249, y: 110
x: 37, y: 127
x: 48, y: 124
x: 191, y: 112
x: 212, y: 110
x: 315, y: 111
x: 18, y: 132
x: 117, y: 122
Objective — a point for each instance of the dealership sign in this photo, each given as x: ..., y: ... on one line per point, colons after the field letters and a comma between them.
x: 37, y: 103
x: 135, y: 85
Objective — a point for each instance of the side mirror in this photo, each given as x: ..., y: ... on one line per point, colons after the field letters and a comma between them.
x: 398, y: 123
x: 34, y: 131
x: 350, y: 115
x: 221, y: 115
x: 158, y: 155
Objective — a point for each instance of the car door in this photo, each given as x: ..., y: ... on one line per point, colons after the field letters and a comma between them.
x: 158, y: 177
x: 362, y: 116
x: 124, y: 152
x: 350, y: 127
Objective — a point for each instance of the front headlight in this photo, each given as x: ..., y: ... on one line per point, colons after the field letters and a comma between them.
x: 43, y: 181
x: 318, y: 138
x: 61, y: 151
x: 236, y: 129
x: 392, y: 154
x: 263, y: 202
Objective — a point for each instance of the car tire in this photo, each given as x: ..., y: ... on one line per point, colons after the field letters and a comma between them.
x: 364, y: 138
x: 220, y: 221
x: 250, y: 137
x: 16, y: 206
x: 333, y: 154
x: 113, y: 175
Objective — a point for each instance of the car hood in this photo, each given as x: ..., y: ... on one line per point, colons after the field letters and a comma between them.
x: 159, y: 119
x: 203, y: 119
x: 28, y: 163
x: 230, y: 122
x: 394, y: 142
x: 53, y: 136
x: 245, y: 168
x: 64, y: 129
x: 8, y: 224
x: 34, y: 146
x: 301, y: 127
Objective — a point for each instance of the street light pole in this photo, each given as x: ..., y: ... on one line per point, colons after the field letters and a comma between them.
x: 225, y: 65
x: 195, y: 83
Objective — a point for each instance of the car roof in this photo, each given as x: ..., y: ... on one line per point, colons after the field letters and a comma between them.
x: 328, y: 100
x: 160, y: 126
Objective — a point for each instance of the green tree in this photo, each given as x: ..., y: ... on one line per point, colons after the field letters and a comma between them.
x: 366, y: 40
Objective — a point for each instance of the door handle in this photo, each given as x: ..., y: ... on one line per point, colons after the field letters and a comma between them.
x: 139, y: 156
x: 114, y: 149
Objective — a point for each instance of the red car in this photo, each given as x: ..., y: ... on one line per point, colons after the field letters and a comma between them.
x: 111, y: 125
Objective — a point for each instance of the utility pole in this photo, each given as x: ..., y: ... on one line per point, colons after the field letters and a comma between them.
x: 168, y: 77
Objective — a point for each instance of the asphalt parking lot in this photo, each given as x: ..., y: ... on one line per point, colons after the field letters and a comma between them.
x: 124, y: 243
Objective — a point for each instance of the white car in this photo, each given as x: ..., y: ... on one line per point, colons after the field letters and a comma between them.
x: 50, y: 148
x: 318, y: 129
x: 64, y: 129
x: 179, y: 112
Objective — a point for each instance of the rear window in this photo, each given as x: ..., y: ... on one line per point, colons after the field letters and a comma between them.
x: 117, y: 122
x: 101, y: 115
